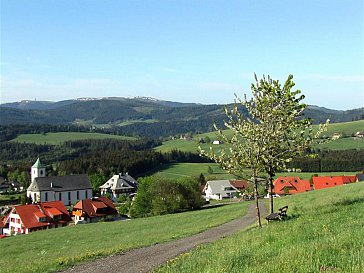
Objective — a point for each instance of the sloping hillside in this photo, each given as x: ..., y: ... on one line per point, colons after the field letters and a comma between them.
x: 139, y: 116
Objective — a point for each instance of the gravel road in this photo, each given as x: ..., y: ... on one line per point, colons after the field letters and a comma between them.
x: 148, y: 258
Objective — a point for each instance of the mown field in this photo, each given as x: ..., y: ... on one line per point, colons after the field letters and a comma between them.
x: 58, y: 138
x: 324, y: 233
x: 56, y: 249
x: 346, y: 129
x: 178, y: 170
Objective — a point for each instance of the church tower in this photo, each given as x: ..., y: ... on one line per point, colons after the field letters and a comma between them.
x: 38, y: 170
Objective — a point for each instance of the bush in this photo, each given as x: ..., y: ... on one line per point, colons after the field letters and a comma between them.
x: 157, y: 195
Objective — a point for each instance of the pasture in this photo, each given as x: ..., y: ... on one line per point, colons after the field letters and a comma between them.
x: 55, y: 249
x: 60, y: 137
x: 346, y: 129
x: 194, y: 170
x: 323, y: 233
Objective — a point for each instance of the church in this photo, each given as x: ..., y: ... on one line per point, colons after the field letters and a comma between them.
x: 69, y: 188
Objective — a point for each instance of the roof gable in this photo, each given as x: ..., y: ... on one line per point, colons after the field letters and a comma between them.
x: 96, y: 207
x: 30, y: 214
x: 294, y: 184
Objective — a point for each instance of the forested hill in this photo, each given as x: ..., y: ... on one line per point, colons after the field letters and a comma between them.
x: 139, y: 116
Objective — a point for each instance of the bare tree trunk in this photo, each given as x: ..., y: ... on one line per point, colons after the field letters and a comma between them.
x: 256, y: 198
x: 270, y: 191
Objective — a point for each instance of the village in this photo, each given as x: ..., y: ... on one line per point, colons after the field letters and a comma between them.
x: 60, y: 201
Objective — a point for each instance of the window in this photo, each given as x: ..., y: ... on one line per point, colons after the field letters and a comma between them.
x: 41, y: 172
x: 86, y: 194
x: 46, y: 196
x: 69, y: 195
x: 18, y: 221
x: 327, y: 184
x: 60, y: 196
x: 78, y: 195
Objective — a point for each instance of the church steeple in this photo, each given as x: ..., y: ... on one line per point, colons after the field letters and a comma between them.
x: 38, y: 170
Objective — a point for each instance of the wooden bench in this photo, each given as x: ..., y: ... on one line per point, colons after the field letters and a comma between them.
x: 281, y: 215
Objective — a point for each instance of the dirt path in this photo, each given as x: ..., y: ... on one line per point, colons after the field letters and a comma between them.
x: 147, y: 258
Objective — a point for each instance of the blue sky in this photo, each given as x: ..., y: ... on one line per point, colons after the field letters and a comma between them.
x: 187, y: 50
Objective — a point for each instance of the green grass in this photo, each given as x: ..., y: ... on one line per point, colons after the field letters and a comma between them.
x: 345, y: 128
x: 324, y: 234
x: 58, y: 138
x: 7, y: 197
x: 179, y: 170
x: 56, y: 249
x: 132, y: 121
x: 346, y: 143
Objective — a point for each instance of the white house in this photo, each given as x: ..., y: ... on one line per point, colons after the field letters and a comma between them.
x: 219, y: 189
x: 69, y: 188
x: 119, y: 184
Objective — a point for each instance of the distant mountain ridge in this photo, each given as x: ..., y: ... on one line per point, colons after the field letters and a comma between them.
x: 140, y: 115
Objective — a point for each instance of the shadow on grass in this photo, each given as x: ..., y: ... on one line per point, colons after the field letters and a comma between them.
x: 349, y: 202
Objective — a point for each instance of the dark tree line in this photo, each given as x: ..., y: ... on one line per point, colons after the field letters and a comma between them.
x: 330, y: 161
x: 102, y: 157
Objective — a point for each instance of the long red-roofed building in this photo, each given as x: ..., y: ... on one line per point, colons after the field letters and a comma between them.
x: 322, y: 182
x: 28, y: 218
x: 290, y: 185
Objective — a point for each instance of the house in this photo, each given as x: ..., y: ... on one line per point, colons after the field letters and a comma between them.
x: 119, y: 184
x: 69, y: 188
x: 290, y: 185
x: 28, y: 218
x: 93, y: 210
x: 322, y: 182
x: 219, y: 189
x: 216, y: 142
x: 10, y: 186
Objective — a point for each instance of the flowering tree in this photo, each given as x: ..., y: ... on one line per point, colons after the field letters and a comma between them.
x: 268, y: 136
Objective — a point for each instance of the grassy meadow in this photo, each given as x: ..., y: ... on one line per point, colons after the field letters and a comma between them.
x: 60, y: 137
x: 324, y: 233
x: 55, y: 249
x: 178, y: 170
x: 346, y: 129
x: 307, y: 176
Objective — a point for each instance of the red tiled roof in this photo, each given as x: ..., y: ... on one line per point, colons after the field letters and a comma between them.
x: 54, y: 211
x: 28, y: 213
x: 99, y: 205
x: 322, y: 182
x: 294, y: 184
x: 239, y: 184
x: 349, y: 179
x: 95, y: 207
